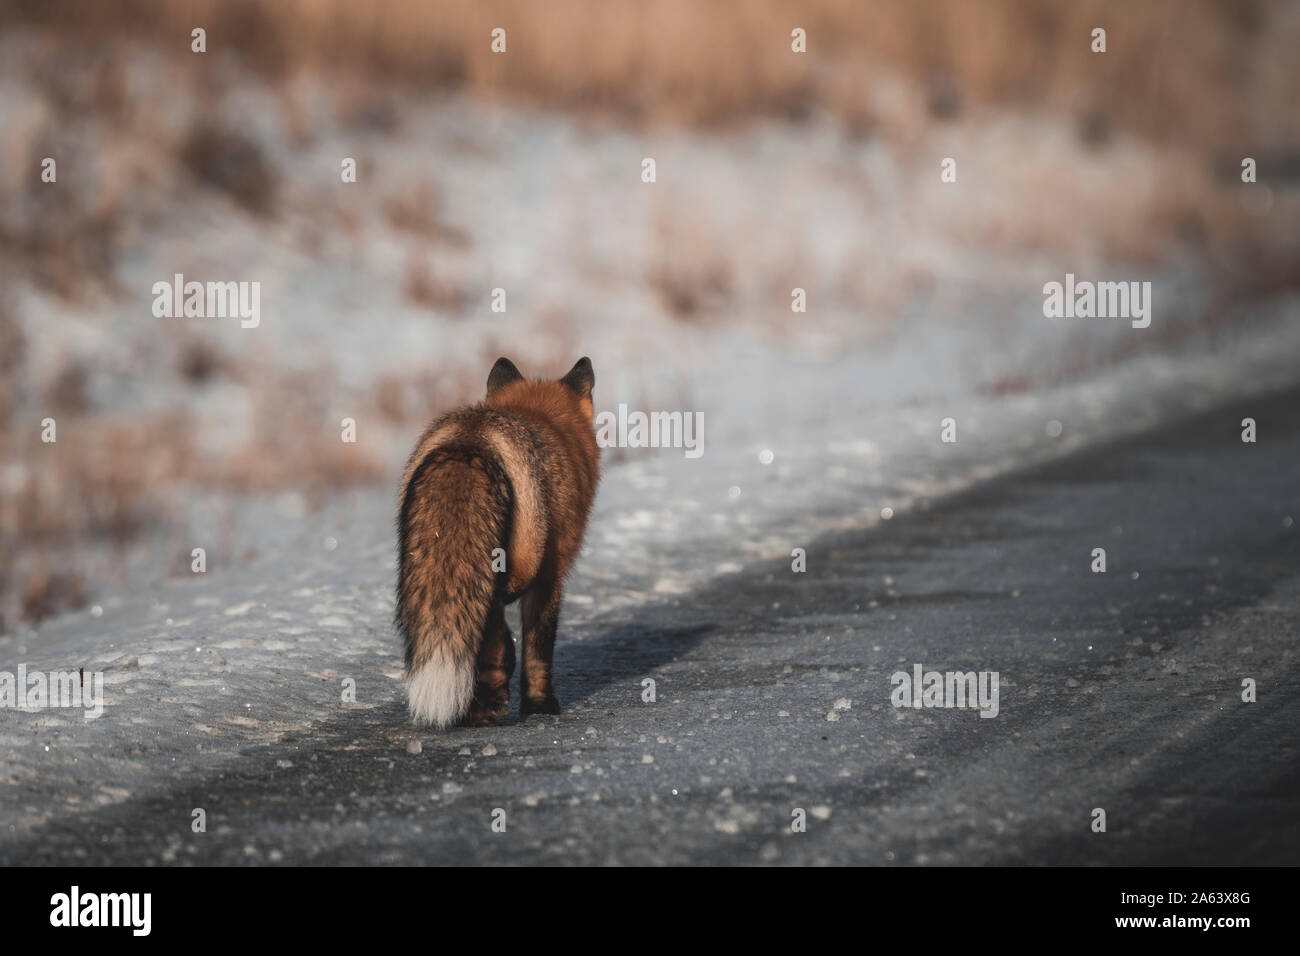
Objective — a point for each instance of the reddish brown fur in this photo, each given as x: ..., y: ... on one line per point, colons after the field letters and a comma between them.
x: 518, y: 472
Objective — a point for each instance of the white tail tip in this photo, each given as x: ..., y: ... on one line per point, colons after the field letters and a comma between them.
x: 440, y: 689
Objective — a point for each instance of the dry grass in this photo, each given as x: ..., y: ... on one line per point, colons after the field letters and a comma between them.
x: 692, y: 270
x: 1191, y: 71
x: 225, y: 159
x: 13, y: 348
x: 427, y: 289
x: 112, y: 478
x: 103, y: 479
x: 99, y: 478
x: 1217, y: 76
x: 418, y: 211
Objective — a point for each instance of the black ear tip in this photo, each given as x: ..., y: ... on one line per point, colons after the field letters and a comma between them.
x: 580, y: 378
x: 503, y: 373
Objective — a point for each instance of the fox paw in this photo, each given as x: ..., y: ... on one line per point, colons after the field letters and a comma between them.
x: 539, y: 705
x: 487, y: 708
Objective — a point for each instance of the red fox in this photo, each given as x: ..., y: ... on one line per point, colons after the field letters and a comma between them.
x: 494, y: 504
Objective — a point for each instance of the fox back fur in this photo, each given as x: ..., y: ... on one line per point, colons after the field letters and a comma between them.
x: 493, y: 505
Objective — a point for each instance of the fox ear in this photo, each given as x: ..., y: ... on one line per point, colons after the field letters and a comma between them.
x: 502, y: 374
x: 581, y: 378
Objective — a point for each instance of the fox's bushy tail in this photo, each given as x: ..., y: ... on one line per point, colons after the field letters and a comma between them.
x: 455, y: 511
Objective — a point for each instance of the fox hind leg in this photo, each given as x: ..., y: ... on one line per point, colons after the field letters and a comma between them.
x: 540, y: 612
x: 496, y: 664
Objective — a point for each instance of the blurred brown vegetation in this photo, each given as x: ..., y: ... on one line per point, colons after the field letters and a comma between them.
x: 1198, y: 72
x: 110, y: 476
x: 1205, y: 81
